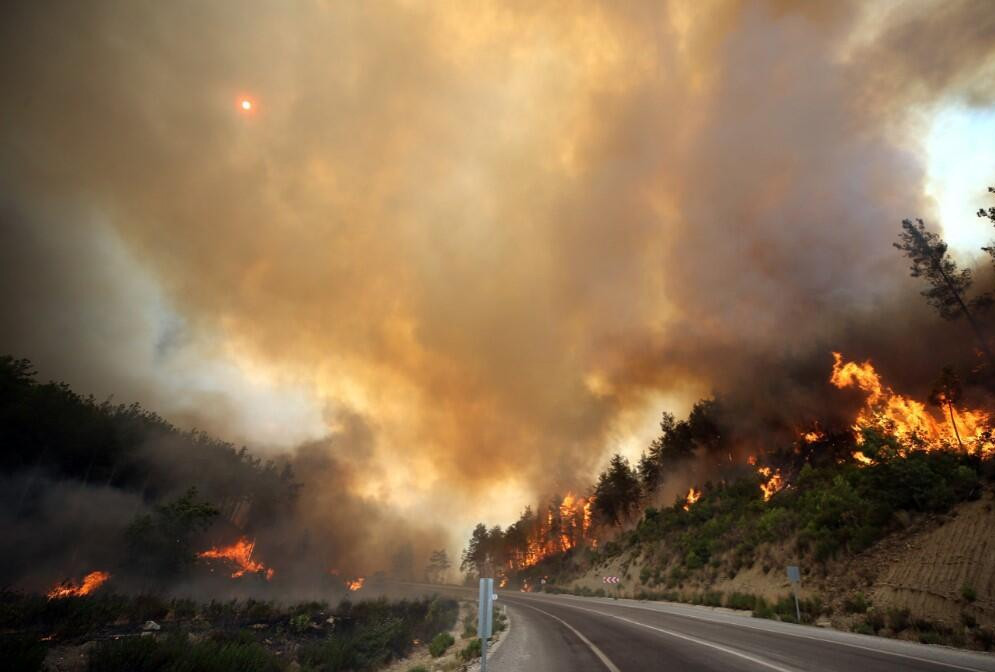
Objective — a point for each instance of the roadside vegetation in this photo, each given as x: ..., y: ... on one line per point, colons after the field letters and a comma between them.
x: 148, y: 633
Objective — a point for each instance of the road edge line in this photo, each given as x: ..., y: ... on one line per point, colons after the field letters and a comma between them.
x: 612, y: 667
x: 701, y: 642
x: 799, y: 635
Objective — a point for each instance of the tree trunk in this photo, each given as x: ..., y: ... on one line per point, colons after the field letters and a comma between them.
x: 978, y: 333
x: 953, y: 422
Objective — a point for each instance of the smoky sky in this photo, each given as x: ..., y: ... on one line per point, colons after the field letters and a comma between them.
x: 495, y: 232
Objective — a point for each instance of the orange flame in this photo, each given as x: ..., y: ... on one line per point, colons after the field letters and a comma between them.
x: 356, y: 583
x: 239, y: 555
x: 774, y: 482
x: 860, y: 457
x: 909, y: 420
x: 67, y: 588
x: 565, y: 525
x: 693, y: 496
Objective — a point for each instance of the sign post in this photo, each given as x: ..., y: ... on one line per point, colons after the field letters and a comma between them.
x: 614, y: 581
x: 795, y: 577
x: 485, y: 618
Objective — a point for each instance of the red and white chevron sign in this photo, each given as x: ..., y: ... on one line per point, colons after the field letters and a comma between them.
x: 611, y: 579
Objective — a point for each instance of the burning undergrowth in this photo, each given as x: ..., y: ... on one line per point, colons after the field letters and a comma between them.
x: 100, y: 497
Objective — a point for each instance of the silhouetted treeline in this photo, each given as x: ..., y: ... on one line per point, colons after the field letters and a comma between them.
x: 48, y: 430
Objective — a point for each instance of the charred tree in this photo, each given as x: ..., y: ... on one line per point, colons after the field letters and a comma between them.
x: 947, y: 392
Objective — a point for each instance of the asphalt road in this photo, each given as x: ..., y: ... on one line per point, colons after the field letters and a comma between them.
x: 557, y: 633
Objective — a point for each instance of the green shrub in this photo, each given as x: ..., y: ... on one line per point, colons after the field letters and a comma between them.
x: 785, y: 609
x: 762, y: 609
x: 775, y: 524
x: 500, y: 621
x: 256, y: 610
x: 148, y: 654
x: 898, y: 619
x: 855, y: 604
x: 968, y: 593
x: 440, y: 643
x: 875, y: 619
x: 299, y: 623
x: 375, y: 632
x: 743, y: 601
x: 712, y: 598
x: 471, y: 650
x: 418, y: 668
x: 863, y: 628
x: 329, y: 655
x: 441, y: 615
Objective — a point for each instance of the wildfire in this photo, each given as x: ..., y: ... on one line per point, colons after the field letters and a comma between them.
x: 860, y: 457
x: 356, y: 583
x: 67, y: 588
x: 564, y: 525
x: 692, y: 497
x: 908, y: 420
x: 774, y: 482
x: 239, y: 555
x: 812, y: 437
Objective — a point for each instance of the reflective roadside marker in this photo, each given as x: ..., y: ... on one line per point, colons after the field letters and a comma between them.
x: 485, y: 618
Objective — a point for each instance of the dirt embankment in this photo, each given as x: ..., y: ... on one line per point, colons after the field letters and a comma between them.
x: 945, y: 570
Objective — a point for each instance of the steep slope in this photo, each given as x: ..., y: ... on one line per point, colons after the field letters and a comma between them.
x: 946, y: 571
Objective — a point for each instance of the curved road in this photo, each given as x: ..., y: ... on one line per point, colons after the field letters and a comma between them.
x: 560, y: 633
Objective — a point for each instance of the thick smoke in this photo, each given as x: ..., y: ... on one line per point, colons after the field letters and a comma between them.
x: 492, y: 234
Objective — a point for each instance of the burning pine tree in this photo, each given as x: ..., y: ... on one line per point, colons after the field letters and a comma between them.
x: 565, y: 523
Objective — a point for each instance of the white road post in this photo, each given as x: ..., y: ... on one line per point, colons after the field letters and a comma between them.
x: 485, y: 617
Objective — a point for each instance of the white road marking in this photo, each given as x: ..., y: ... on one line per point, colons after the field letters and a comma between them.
x: 683, y: 614
x: 598, y: 652
x: 907, y: 656
x: 702, y: 642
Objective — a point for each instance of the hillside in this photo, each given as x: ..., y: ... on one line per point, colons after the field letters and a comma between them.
x: 946, y: 569
x: 902, y: 547
x: 890, y: 520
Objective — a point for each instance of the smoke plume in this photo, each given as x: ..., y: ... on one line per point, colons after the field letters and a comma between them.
x: 457, y: 254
